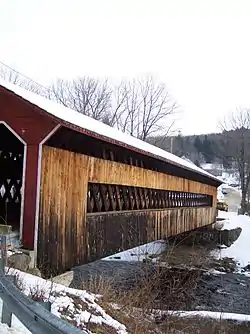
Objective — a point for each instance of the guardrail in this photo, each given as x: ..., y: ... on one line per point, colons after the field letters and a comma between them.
x: 31, y: 314
x: 35, y: 317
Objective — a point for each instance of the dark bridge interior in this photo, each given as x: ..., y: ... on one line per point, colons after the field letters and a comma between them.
x: 11, y: 171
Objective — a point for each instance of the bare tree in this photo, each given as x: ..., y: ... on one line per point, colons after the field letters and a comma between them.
x: 118, y: 105
x: 85, y: 95
x: 236, y: 144
x: 10, y: 75
x: 145, y: 109
x: 141, y: 108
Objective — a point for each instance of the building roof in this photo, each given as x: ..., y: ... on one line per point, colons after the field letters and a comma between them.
x: 70, y: 117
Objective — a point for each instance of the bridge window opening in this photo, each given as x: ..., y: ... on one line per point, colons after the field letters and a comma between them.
x: 11, y: 175
x: 106, y: 198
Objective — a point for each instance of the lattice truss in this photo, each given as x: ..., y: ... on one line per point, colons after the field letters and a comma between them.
x: 11, y: 166
x: 104, y: 198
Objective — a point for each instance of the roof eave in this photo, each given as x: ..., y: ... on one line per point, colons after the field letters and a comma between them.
x: 135, y: 149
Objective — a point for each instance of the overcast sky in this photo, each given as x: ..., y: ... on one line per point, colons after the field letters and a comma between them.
x: 200, y: 49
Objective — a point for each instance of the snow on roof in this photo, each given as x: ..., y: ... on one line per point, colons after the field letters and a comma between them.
x: 75, y: 118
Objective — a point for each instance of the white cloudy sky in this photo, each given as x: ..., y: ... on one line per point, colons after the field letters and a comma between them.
x: 199, y: 48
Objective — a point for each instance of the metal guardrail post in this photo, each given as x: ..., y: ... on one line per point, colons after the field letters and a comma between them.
x: 46, y: 305
x: 1, y: 265
x: 6, y: 313
x: 3, y: 253
x: 3, y: 245
x: 36, y: 318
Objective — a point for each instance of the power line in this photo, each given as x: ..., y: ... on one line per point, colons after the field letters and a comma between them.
x: 23, y: 75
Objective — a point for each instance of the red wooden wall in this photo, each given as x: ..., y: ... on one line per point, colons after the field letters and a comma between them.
x: 32, y: 126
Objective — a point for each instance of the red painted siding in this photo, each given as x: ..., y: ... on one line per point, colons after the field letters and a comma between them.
x: 32, y: 125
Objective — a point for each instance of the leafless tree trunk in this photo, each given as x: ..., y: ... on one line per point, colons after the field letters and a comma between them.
x: 118, y: 105
x: 147, y: 109
x: 236, y: 133
x: 85, y: 95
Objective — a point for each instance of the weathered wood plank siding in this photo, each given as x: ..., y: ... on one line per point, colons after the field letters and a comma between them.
x: 117, y: 231
x: 67, y: 236
x: 61, y: 230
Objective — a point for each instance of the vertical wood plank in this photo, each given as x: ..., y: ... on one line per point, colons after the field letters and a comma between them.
x: 63, y: 203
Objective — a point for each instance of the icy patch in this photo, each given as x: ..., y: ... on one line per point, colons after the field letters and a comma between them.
x: 213, y: 315
x: 140, y: 253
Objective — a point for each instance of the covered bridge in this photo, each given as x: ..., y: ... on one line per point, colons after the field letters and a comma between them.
x: 77, y: 190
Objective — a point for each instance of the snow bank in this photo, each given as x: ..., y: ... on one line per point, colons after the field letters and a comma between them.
x: 4, y: 329
x: 16, y: 326
x: 230, y: 177
x: 139, y: 253
x: 220, y: 195
x: 213, y: 315
x: 64, y: 301
x: 240, y: 249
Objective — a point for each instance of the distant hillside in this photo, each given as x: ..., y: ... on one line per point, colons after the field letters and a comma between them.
x: 199, y: 149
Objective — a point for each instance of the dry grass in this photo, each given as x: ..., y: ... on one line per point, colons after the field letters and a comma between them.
x: 99, y: 286
x: 139, y: 322
x: 160, y: 288
x: 168, y: 288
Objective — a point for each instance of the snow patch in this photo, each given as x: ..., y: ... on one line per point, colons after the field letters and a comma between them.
x: 240, y: 249
x: 63, y: 301
x: 213, y: 315
x: 140, y: 253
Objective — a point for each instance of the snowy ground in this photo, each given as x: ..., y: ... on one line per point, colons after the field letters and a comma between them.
x: 64, y: 299
x: 228, y: 189
x: 230, y: 177
x: 229, y: 292
x: 140, y: 253
x: 16, y: 327
x: 220, y: 195
x: 240, y: 250
x: 4, y: 329
x: 208, y: 314
x: 64, y: 302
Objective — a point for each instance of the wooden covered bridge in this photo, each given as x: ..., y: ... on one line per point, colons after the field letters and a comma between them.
x: 77, y: 190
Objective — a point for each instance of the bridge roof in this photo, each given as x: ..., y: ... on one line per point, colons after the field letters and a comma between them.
x: 79, y: 122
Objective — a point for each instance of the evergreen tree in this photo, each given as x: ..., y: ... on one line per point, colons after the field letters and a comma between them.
x: 207, y: 149
x: 198, y: 144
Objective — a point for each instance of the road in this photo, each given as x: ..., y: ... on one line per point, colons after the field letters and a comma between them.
x: 233, y: 199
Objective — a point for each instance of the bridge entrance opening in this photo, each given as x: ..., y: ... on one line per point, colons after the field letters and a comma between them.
x: 12, y: 152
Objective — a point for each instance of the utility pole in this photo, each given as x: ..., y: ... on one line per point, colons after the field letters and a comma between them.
x: 171, y: 144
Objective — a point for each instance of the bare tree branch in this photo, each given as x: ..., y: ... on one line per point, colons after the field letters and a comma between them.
x: 236, y: 133
x: 141, y: 108
x: 85, y: 95
x: 146, y: 109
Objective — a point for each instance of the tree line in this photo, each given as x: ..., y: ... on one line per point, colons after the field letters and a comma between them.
x: 230, y: 147
x: 198, y: 148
